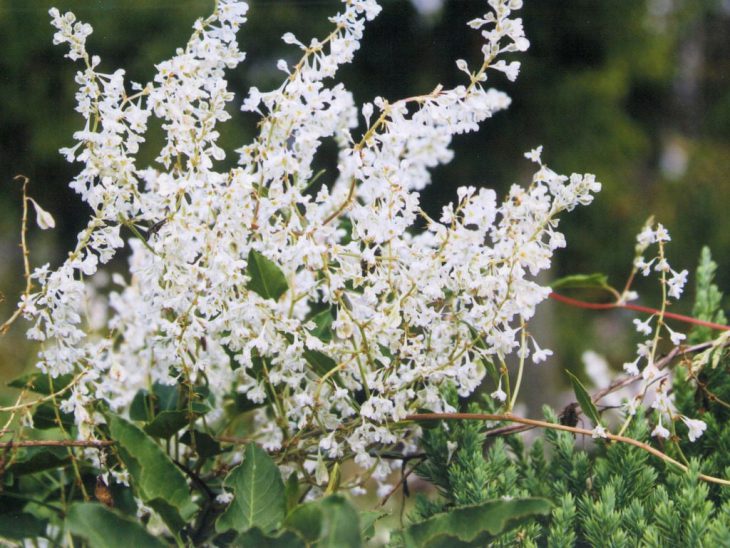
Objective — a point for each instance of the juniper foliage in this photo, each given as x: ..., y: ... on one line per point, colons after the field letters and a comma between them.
x: 609, y: 494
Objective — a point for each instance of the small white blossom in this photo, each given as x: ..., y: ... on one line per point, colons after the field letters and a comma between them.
x: 44, y: 219
x: 224, y: 498
x: 540, y: 354
x: 499, y: 394
x: 535, y: 155
x: 696, y: 428
x: 659, y: 431
x: 643, y: 327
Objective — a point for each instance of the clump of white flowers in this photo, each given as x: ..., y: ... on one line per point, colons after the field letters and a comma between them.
x: 331, y: 307
x: 655, y: 382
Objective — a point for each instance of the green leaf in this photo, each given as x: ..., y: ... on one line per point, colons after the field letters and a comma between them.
x: 584, y: 399
x: 167, y: 423
x: 141, y: 408
x: 258, y: 491
x: 323, y: 325
x: 157, y: 480
x: 19, y: 525
x: 205, y: 445
x: 168, y: 408
x: 39, y: 459
x: 44, y: 417
x: 241, y: 404
x: 576, y: 281
x: 266, y: 278
x: 469, y: 523
x: 105, y: 528
x: 146, y: 405
x: 166, y: 397
x: 320, y: 362
x: 256, y: 538
x: 306, y: 520
x: 292, y: 491
x: 341, y: 524
x: 368, y: 519
x: 38, y: 382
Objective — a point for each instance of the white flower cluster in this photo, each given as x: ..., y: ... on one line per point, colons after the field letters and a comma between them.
x: 653, y: 379
x: 372, y: 314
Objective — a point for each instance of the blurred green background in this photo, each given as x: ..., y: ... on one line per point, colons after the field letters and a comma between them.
x: 635, y: 91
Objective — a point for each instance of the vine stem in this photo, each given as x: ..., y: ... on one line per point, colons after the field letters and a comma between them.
x: 508, y: 417
x: 638, y: 308
x: 56, y: 443
x: 26, y: 256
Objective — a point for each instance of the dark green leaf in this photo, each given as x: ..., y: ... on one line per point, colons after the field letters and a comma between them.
x: 166, y: 397
x: 257, y: 539
x: 44, y: 418
x: 38, y: 459
x: 292, y: 491
x: 167, y: 423
x: 105, y: 528
x: 241, y: 404
x: 323, y: 325
x: 306, y: 520
x: 584, y: 400
x: 576, y: 281
x: 38, y: 382
x: 266, y: 278
x: 141, y: 408
x: 341, y: 524
x: 146, y: 405
x: 18, y: 525
x: 467, y: 523
x: 259, y: 498
x: 204, y: 444
x: 320, y: 362
x: 157, y: 480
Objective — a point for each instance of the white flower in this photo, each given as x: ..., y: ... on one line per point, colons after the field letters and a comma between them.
x: 675, y: 336
x: 676, y: 284
x: 451, y: 447
x: 224, y: 498
x: 535, y: 155
x: 44, y: 219
x: 659, y: 431
x: 540, y: 354
x: 499, y: 394
x: 632, y: 368
x: 599, y: 432
x: 643, y: 327
x: 696, y: 428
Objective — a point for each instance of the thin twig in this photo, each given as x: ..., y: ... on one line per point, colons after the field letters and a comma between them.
x: 508, y: 417
x: 26, y: 256
x: 660, y: 364
x: 57, y: 443
x: 196, y: 479
x: 397, y: 486
x: 52, y: 396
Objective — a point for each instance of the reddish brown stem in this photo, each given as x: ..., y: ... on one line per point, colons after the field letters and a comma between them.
x: 638, y: 308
